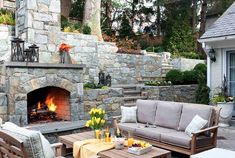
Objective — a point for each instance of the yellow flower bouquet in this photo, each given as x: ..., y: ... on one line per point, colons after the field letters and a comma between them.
x: 97, y: 120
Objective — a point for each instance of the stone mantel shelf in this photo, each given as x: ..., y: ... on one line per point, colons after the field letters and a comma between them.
x: 44, y: 65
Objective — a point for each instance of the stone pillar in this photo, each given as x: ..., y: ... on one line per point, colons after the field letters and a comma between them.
x: 38, y: 22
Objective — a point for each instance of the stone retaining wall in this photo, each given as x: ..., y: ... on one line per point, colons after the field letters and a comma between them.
x: 178, y: 93
x: 185, y: 64
x: 110, y: 100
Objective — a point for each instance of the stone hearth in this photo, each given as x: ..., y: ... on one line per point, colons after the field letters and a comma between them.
x: 19, y: 79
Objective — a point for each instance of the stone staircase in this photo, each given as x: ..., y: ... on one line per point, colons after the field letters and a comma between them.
x: 131, y: 94
x: 166, y: 67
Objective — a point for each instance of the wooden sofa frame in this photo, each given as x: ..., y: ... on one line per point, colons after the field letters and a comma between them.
x: 11, y: 147
x: 213, y: 130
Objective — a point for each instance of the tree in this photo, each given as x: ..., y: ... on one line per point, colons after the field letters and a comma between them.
x: 202, y: 23
x: 92, y: 16
x: 179, y: 36
x: 77, y: 9
x: 65, y: 7
x: 125, y: 29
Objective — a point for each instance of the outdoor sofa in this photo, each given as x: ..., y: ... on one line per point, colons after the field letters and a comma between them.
x: 163, y: 124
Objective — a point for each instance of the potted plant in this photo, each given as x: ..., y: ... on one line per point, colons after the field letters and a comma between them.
x: 225, y: 102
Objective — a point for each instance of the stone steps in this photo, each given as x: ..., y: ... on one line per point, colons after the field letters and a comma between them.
x: 134, y: 98
x: 131, y: 94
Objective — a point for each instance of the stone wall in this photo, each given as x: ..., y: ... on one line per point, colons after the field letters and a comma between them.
x: 185, y: 64
x: 110, y: 100
x: 23, y: 78
x: 42, y: 27
x: 178, y: 93
x: 7, y: 4
x: 6, y: 33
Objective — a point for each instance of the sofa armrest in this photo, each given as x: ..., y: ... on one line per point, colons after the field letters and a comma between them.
x: 205, y: 130
x: 57, y: 148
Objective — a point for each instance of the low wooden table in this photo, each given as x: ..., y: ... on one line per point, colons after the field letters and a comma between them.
x: 68, y: 141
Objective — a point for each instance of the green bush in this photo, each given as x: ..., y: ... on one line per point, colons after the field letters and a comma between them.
x: 201, y: 68
x: 175, y: 76
x: 190, y: 77
x: 156, y: 49
x: 86, y: 29
x: 203, y: 91
x: 143, y: 44
x: 188, y: 55
x: 92, y: 85
x: 157, y: 83
x: 7, y: 17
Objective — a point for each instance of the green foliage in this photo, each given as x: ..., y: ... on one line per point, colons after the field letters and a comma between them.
x: 156, y: 49
x: 125, y: 29
x: 203, y: 91
x: 188, y: 55
x: 179, y: 36
x: 157, y: 83
x: 218, y: 98
x: 64, y: 22
x: 143, y: 44
x: 92, y: 85
x: 175, y: 76
x: 86, y: 29
x: 77, y: 9
x: 190, y: 77
x: 7, y: 17
x: 201, y: 68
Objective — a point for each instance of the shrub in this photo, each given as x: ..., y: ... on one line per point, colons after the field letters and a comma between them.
x: 190, y: 77
x: 86, y: 29
x: 201, y: 68
x: 7, y: 17
x: 157, y: 83
x: 202, y: 93
x: 175, y: 76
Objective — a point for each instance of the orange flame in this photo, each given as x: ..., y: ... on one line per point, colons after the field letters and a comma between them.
x: 39, y: 105
x: 50, y: 103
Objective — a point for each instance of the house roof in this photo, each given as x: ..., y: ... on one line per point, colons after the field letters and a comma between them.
x: 224, y: 26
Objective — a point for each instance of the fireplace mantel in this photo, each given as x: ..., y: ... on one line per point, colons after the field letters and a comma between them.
x: 44, y: 65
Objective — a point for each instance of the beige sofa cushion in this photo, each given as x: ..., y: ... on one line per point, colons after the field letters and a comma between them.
x: 130, y: 126
x: 191, y: 110
x: 168, y: 114
x: 146, y: 111
x: 152, y: 133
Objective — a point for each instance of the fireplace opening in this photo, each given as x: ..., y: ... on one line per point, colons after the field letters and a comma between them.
x: 48, y: 104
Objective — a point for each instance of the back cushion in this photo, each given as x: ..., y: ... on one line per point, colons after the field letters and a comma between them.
x: 191, y: 110
x: 146, y: 111
x: 168, y: 114
x: 34, y: 142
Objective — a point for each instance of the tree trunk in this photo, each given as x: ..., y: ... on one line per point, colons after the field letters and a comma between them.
x: 158, y: 19
x: 91, y: 17
x: 66, y: 7
x: 202, y: 24
x: 194, y: 13
x: 194, y: 22
x: 108, y: 13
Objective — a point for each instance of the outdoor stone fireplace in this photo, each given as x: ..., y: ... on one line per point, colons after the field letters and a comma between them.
x: 48, y: 104
x: 31, y: 84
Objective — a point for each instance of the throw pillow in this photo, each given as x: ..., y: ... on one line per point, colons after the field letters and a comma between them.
x: 128, y: 114
x: 196, y: 124
x: 34, y: 141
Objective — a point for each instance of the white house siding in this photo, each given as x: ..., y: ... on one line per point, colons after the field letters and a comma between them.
x: 216, y: 73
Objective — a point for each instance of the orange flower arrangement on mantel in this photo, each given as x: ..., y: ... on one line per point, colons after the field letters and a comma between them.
x: 64, y: 53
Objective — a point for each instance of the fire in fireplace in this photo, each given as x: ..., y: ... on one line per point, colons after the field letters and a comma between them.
x: 48, y: 104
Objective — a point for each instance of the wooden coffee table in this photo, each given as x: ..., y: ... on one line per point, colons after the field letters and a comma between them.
x: 68, y: 141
